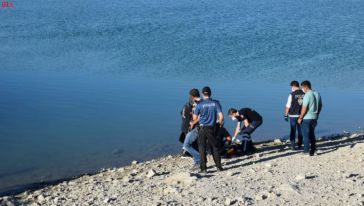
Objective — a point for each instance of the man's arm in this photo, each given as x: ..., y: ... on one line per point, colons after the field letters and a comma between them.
x: 195, y: 116
x: 246, y: 122
x: 221, y: 119
x: 237, y: 129
x: 303, y: 113
x: 319, y: 105
x: 288, y: 105
x: 195, y: 120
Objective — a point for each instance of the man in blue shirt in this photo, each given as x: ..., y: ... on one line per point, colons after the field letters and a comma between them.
x: 311, y: 108
x: 206, y: 113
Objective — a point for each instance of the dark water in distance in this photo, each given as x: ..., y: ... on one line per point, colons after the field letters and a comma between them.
x: 87, y: 85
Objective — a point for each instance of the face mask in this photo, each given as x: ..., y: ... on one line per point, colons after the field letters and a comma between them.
x: 197, y: 99
x: 233, y: 118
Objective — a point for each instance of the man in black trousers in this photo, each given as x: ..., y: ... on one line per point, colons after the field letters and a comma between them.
x: 206, y: 114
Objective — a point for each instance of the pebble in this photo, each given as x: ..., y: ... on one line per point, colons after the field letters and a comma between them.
x: 300, y: 177
x: 229, y: 201
x: 277, y: 141
x: 151, y: 173
x: 40, y: 198
x: 134, y: 162
x: 268, y: 165
x: 261, y: 197
x: 229, y: 173
x: 258, y: 155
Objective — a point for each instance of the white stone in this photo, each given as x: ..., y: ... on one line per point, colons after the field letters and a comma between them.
x: 151, y: 173
x: 300, y: 177
x: 40, y: 198
x: 277, y: 141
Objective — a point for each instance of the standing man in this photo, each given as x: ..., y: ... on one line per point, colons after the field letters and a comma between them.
x: 311, y: 109
x: 206, y: 113
x: 192, y: 131
x: 293, y: 111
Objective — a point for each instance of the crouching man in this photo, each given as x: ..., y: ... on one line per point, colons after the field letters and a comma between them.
x: 248, y: 121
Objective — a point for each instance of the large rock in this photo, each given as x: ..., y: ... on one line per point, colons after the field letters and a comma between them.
x: 183, y: 178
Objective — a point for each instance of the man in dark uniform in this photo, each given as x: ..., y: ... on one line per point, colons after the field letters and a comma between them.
x: 248, y: 121
x: 293, y: 111
x: 206, y: 113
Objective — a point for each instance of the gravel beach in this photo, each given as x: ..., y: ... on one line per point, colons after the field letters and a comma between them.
x: 275, y: 175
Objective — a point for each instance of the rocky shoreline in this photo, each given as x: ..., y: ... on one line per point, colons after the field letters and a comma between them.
x: 275, y: 175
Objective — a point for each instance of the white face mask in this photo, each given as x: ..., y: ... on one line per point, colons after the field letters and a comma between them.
x: 233, y: 118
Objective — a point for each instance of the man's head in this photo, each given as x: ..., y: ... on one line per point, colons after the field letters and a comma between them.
x: 233, y: 113
x: 295, y: 85
x: 194, y: 94
x: 306, y: 86
x: 206, y: 92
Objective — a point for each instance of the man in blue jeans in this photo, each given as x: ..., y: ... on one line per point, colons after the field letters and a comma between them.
x: 292, y: 112
x: 192, y: 134
x: 311, y: 108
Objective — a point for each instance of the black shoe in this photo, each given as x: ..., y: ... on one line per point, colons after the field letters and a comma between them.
x: 299, y: 148
x: 292, y: 146
x: 203, y: 171
x: 220, y: 169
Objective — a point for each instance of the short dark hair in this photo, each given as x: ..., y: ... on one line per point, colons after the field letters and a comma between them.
x: 206, y: 91
x: 295, y: 83
x: 232, y: 111
x: 306, y: 83
x: 194, y: 92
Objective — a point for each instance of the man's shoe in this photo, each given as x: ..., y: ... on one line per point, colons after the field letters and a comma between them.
x: 220, y: 169
x: 195, y: 167
x: 185, y: 154
x: 203, y: 171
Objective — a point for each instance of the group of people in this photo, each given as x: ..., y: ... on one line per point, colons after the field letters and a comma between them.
x: 203, y: 129
x: 203, y: 125
x: 303, y: 109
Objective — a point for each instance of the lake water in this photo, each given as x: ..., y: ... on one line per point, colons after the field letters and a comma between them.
x: 97, y: 84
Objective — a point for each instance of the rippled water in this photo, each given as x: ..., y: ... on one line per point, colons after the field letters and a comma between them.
x: 92, y: 84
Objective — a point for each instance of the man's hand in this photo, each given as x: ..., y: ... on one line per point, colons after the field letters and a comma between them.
x: 286, y: 118
x: 299, y: 121
x: 191, y: 126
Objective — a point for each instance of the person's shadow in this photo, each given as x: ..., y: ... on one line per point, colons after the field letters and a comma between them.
x: 324, y: 146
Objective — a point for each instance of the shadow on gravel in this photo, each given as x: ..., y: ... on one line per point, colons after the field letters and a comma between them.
x: 325, y: 145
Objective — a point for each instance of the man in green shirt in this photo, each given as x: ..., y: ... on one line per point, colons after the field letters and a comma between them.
x: 310, y: 112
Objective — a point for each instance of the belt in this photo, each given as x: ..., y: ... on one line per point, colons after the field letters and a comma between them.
x: 206, y: 126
